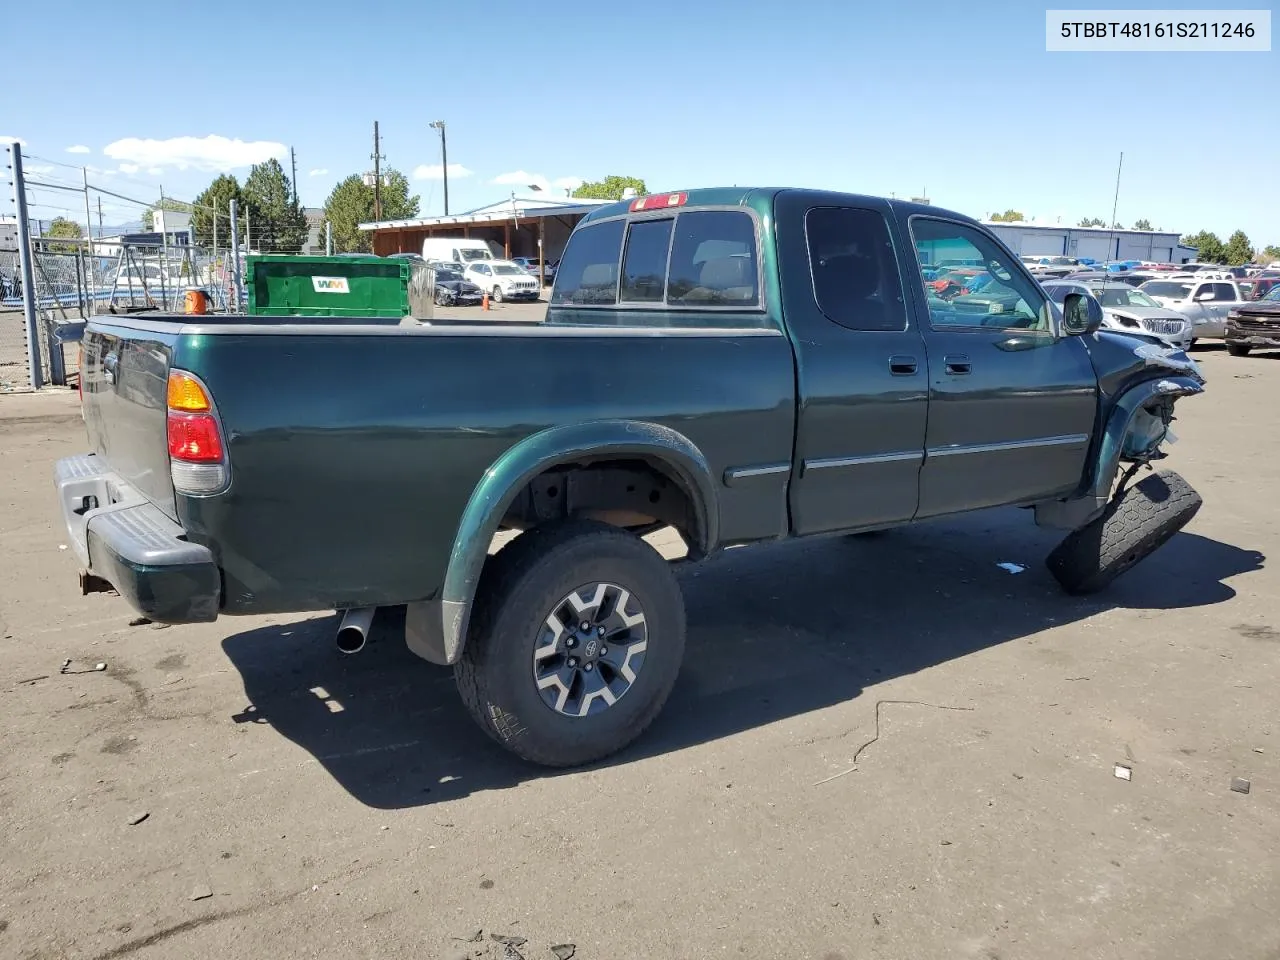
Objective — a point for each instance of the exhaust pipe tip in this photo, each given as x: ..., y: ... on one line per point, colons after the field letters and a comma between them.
x: 350, y: 640
x: 353, y: 632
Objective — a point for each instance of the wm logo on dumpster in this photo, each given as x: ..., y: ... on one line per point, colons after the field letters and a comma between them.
x: 330, y: 285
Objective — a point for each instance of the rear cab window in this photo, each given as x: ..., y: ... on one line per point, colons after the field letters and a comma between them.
x: 856, y: 281
x: 690, y: 267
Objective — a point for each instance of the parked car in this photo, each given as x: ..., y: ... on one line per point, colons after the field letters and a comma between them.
x: 413, y: 257
x: 452, y: 288
x: 1089, y: 276
x: 531, y: 265
x: 503, y: 279
x: 1205, y: 303
x: 1054, y: 266
x: 661, y: 391
x: 1130, y: 310
x: 1254, y: 325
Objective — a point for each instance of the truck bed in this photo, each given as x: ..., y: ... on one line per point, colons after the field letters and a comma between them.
x: 354, y: 448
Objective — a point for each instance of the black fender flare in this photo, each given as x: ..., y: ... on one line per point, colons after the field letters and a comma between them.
x: 436, y: 629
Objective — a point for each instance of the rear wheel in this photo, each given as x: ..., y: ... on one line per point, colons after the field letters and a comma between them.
x: 496, y: 295
x: 1238, y: 349
x: 1137, y: 522
x: 575, y: 643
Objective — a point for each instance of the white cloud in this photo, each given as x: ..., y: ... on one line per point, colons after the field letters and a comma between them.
x: 18, y: 140
x: 211, y: 154
x: 129, y: 168
x: 568, y: 183
x: 522, y: 178
x: 434, y: 171
x: 79, y: 148
x: 155, y: 171
x: 318, y: 172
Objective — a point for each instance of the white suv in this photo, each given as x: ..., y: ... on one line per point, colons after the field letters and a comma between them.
x: 503, y: 280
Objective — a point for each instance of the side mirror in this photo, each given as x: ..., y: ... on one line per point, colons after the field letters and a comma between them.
x: 1203, y: 295
x: 1081, y: 315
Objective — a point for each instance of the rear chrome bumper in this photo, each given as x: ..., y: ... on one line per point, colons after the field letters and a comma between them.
x: 121, y: 537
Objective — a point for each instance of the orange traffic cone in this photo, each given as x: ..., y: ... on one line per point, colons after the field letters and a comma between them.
x: 484, y: 301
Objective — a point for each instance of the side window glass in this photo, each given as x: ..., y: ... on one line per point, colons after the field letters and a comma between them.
x: 644, y: 267
x: 1223, y: 291
x: 856, y: 281
x: 588, y: 271
x: 973, y: 283
x: 713, y: 260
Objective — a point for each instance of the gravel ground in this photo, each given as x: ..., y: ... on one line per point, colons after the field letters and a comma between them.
x: 886, y: 747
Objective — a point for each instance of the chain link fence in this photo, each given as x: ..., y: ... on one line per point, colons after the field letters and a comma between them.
x: 74, y: 283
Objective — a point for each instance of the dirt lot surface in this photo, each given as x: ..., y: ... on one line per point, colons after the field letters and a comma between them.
x: 885, y: 747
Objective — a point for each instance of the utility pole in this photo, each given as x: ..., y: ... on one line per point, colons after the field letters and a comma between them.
x: 377, y: 174
x: 99, y: 218
x: 444, y: 161
x: 293, y: 163
x: 28, y: 273
x: 328, y: 238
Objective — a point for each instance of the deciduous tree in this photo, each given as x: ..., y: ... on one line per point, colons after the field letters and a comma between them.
x: 69, y: 229
x: 1009, y: 216
x: 610, y: 188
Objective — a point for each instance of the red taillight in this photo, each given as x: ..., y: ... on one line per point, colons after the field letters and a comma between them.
x: 194, y: 437
x: 659, y: 201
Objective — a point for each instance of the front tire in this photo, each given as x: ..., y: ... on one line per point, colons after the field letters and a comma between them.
x: 538, y: 681
x: 1238, y: 349
x: 496, y: 295
x: 1136, y: 523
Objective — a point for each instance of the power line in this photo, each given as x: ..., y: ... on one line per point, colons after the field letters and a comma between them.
x: 57, y: 163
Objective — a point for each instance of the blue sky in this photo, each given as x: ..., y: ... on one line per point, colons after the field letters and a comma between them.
x: 958, y: 99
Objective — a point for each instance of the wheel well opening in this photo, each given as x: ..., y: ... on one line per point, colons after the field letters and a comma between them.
x: 634, y: 493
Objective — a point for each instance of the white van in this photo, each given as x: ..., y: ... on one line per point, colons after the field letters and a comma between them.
x: 455, y: 249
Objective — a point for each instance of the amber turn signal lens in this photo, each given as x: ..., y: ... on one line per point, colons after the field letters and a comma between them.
x: 186, y: 394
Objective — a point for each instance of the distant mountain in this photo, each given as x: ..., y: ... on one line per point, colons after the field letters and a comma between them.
x: 133, y: 226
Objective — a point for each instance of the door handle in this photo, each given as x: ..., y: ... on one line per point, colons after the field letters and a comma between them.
x: 957, y: 365
x: 903, y: 366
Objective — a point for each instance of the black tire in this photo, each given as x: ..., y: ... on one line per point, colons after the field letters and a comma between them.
x: 521, y: 586
x: 1143, y: 518
x: 496, y: 296
x: 1238, y: 349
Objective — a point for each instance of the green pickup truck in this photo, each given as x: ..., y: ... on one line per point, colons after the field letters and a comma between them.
x: 740, y: 365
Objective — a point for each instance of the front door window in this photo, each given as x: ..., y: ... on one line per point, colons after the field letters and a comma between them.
x: 969, y: 282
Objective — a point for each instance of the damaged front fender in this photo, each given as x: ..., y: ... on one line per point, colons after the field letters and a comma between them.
x: 1133, y: 431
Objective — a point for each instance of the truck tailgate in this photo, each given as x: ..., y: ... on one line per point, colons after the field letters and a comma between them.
x: 125, y: 373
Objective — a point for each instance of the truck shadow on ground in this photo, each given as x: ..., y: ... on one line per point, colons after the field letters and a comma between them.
x: 774, y: 632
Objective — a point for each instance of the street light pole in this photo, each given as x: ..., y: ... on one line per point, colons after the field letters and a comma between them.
x: 444, y: 161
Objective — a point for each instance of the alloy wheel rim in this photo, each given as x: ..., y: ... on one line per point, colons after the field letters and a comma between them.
x: 590, y: 649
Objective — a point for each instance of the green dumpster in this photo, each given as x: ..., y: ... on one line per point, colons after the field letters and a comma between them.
x: 288, y: 286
